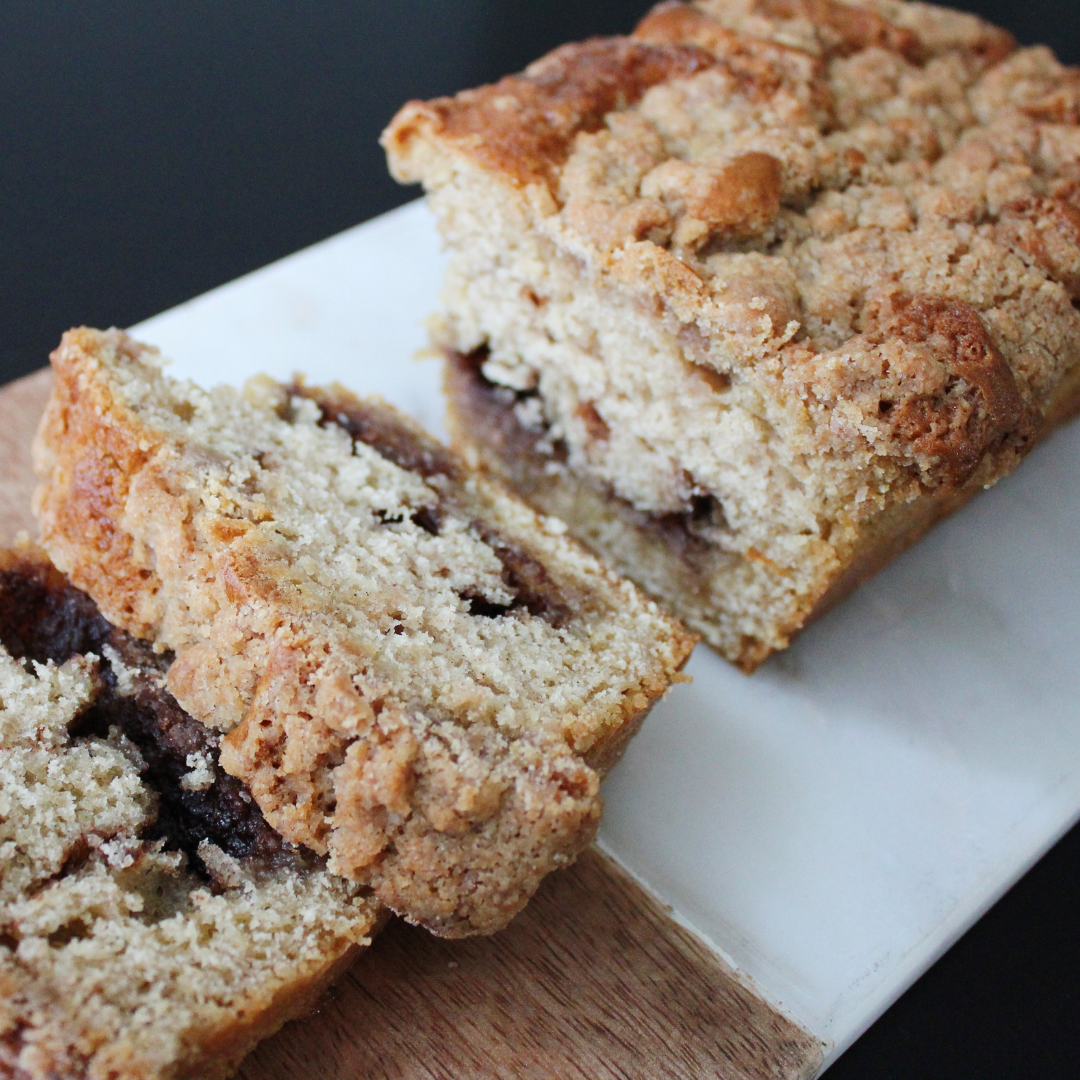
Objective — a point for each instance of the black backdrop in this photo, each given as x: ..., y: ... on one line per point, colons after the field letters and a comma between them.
x: 152, y: 149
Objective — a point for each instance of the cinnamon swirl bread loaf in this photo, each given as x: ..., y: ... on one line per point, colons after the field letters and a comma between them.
x: 754, y: 296
x: 413, y: 672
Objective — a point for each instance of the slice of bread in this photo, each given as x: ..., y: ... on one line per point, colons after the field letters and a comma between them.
x: 151, y: 924
x: 754, y: 296
x: 415, y: 673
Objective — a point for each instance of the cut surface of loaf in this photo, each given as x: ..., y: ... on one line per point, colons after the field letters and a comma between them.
x: 414, y: 673
x: 151, y: 924
x: 754, y: 296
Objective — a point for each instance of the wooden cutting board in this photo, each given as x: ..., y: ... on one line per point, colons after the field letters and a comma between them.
x: 593, y: 980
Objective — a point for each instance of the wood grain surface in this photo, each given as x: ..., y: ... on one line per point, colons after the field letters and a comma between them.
x: 593, y: 980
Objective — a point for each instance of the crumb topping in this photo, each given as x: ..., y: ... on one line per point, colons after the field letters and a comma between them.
x: 827, y: 155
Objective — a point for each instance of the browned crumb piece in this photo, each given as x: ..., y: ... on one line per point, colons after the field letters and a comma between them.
x: 755, y: 322
x: 416, y: 674
x: 152, y: 925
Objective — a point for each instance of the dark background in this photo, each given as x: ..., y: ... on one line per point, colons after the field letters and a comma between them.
x: 152, y: 149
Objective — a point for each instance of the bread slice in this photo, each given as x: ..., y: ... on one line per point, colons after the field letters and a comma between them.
x: 415, y: 673
x: 151, y: 923
x: 754, y: 296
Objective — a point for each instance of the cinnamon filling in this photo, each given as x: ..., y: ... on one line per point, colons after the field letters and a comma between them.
x: 524, y: 577
x: 43, y: 617
x: 393, y: 441
x: 489, y: 411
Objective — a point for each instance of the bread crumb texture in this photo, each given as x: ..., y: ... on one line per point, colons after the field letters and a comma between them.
x: 773, y: 284
x: 117, y: 959
x: 414, y: 673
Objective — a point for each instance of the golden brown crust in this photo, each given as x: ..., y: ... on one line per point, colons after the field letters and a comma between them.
x: 945, y: 397
x: 917, y: 32
x: 1047, y: 231
x: 727, y: 202
x: 759, y: 69
x: 524, y: 125
x: 847, y: 28
x: 90, y: 486
x: 981, y: 405
x: 678, y: 23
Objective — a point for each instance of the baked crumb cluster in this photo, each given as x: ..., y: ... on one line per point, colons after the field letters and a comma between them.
x: 414, y: 673
x: 125, y: 950
x: 781, y: 268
